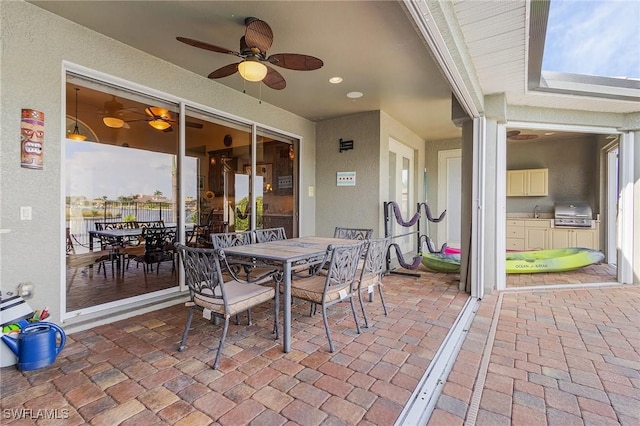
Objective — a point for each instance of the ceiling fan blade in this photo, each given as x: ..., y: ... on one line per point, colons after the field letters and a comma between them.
x: 274, y: 79
x: 258, y: 34
x: 225, y: 71
x: 206, y: 46
x: 168, y: 129
x: 295, y: 61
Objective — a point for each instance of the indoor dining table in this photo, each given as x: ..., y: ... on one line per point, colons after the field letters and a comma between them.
x: 283, y: 254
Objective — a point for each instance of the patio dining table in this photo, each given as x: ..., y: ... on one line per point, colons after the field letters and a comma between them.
x: 118, y: 235
x: 283, y: 254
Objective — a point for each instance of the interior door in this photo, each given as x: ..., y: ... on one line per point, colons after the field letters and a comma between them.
x: 449, y: 196
x: 613, y: 192
x: 401, y: 190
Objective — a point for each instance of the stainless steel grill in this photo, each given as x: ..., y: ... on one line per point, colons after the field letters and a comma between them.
x: 572, y: 215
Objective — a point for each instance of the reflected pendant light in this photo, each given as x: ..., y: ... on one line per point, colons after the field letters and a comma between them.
x: 76, y: 135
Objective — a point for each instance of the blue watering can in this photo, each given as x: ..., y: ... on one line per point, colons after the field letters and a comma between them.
x: 37, y: 345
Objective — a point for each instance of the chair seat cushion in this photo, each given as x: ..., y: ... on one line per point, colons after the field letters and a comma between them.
x: 311, y: 289
x: 240, y: 297
x: 369, y: 279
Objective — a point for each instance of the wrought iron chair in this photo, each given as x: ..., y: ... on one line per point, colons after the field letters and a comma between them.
x: 337, y: 285
x: 242, y: 267
x: 371, y: 271
x: 212, y: 294
x: 270, y: 234
x: 111, y: 246
x: 155, y: 251
x: 352, y: 233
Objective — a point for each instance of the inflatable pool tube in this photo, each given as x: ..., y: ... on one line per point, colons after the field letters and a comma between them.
x: 554, y: 260
x: 442, y: 262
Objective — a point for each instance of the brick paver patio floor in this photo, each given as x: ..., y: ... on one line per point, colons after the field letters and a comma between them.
x: 129, y: 372
x: 553, y: 357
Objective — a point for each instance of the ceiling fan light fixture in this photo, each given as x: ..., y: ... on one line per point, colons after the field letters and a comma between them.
x: 76, y: 135
x: 252, y: 70
x: 113, y: 122
x: 158, y: 112
x: 159, y: 124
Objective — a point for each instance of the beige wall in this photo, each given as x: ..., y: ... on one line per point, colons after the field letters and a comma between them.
x: 572, y: 165
x: 34, y: 45
x: 359, y: 206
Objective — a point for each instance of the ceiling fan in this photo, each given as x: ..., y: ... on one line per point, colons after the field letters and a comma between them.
x: 257, y: 39
x: 516, y: 135
x: 158, y: 118
x: 161, y: 119
x: 113, y: 112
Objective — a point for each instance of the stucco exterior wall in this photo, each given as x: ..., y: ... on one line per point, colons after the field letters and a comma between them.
x: 34, y: 44
x: 359, y: 206
x: 349, y: 206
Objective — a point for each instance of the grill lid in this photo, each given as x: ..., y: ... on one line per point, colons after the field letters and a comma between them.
x: 573, y: 210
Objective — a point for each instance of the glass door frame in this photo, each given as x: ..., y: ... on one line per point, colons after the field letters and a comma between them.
x: 183, y: 104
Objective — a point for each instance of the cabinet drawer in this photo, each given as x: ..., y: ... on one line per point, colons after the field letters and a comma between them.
x: 515, y: 244
x: 515, y: 222
x: 538, y: 223
x: 515, y: 232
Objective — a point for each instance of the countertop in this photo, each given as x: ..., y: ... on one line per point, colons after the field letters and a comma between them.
x: 541, y: 216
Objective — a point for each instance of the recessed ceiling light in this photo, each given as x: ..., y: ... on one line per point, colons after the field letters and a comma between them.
x: 335, y: 80
x: 549, y: 133
x: 354, y: 95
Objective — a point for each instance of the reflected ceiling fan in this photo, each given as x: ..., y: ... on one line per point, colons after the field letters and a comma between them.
x: 516, y: 135
x: 257, y: 39
x: 113, y: 112
x: 158, y: 118
x: 161, y: 119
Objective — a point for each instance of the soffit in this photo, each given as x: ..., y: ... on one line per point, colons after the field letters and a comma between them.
x: 496, y: 34
x: 372, y: 45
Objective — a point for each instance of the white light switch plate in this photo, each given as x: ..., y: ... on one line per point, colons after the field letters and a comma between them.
x: 25, y: 213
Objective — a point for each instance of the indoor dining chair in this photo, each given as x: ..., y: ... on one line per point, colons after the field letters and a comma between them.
x: 339, y: 283
x: 371, y: 272
x: 213, y: 295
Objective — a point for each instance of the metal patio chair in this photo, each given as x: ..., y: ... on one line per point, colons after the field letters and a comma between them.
x: 339, y: 283
x: 212, y: 294
x: 353, y: 233
x: 269, y: 234
x: 371, y: 272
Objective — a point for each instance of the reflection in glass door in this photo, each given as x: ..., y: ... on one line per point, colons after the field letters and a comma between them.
x: 401, y: 191
x: 276, y: 165
x: 121, y: 180
x: 126, y: 178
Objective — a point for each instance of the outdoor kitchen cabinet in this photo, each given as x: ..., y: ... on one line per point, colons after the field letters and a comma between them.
x: 515, y: 234
x: 536, y: 234
x: 573, y: 237
x: 528, y: 234
x: 528, y: 183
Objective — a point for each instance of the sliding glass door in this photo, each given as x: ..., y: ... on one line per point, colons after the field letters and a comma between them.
x: 123, y: 175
